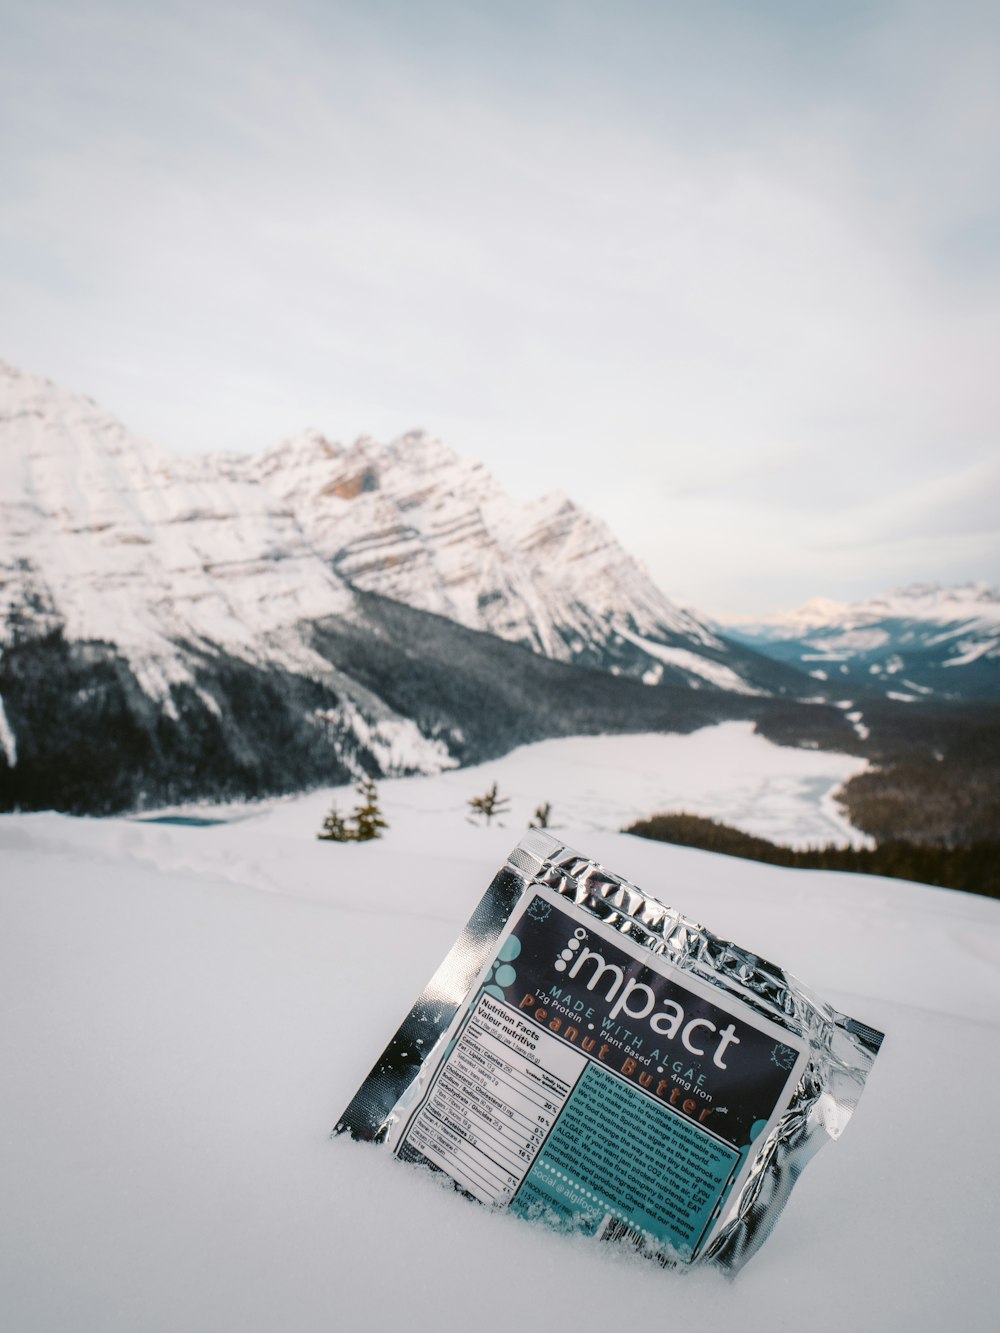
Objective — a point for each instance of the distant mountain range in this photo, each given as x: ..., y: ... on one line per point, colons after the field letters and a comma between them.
x: 920, y: 643
x: 178, y: 627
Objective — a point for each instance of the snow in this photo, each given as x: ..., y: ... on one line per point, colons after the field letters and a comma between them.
x: 8, y: 741
x: 723, y: 772
x: 606, y: 782
x: 414, y: 521
x: 817, y: 612
x: 186, y: 1011
x: 723, y: 677
x: 974, y: 603
x: 854, y: 640
x: 951, y: 627
x: 126, y: 544
x: 918, y: 689
x: 134, y: 547
x: 396, y: 743
x: 861, y: 730
x: 971, y: 652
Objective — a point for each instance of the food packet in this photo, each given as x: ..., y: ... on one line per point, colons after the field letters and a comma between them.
x: 589, y: 1058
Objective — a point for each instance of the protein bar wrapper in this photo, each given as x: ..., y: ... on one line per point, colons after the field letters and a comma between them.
x: 589, y: 1057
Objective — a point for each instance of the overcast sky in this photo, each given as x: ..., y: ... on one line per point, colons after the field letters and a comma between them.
x: 726, y: 273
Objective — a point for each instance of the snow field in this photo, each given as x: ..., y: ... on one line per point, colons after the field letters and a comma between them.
x: 605, y: 782
x: 185, y: 1011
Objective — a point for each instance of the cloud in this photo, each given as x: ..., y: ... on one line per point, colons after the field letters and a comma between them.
x: 725, y: 275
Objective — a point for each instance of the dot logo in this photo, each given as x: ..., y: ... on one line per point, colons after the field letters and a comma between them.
x: 501, y: 974
x: 569, y: 953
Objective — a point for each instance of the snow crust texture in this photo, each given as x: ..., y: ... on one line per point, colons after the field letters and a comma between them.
x: 186, y: 1011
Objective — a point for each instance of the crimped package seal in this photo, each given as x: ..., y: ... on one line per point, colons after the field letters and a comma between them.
x: 590, y: 1058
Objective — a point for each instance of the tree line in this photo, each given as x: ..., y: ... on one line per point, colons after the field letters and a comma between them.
x: 974, y: 867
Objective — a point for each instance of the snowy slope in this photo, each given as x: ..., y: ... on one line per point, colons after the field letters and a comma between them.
x: 602, y: 783
x: 416, y: 522
x: 178, y: 1043
x: 912, y: 644
x: 159, y: 591
x: 121, y: 542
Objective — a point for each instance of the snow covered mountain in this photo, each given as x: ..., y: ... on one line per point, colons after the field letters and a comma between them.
x: 174, y: 627
x: 414, y: 521
x: 916, y: 643
x: 154, y: 578
x: 115, y: 540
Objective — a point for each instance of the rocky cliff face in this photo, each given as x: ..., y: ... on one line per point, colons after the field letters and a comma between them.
x: 174, y: 579
x: 413, y: 521
x: 123, y: 543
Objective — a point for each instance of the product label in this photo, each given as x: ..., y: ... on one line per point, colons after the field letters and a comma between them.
x: 593, y: 1084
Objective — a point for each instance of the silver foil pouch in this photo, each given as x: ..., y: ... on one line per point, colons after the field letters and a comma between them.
x: 591, y: 1059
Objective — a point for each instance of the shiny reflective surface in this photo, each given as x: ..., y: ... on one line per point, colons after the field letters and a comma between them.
x: 841, y: 1050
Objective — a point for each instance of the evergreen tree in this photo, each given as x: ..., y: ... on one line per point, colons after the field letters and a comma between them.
x: 541, y: 817
x: 488, y: 805
x: 335, y: 829
x: 368, y: 821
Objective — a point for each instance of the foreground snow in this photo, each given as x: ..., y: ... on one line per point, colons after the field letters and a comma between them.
x: 178, y: 1042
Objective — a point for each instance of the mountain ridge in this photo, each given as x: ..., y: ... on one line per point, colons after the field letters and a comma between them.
x: 413, y: 520
x: 915, y: 643
x: 181, y: 623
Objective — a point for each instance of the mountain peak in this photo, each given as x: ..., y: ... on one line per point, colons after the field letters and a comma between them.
x: 914, y: 643
x: 943, y: 598
x: 309, y: 443
x: 132, y: 546
x: 416, y: 522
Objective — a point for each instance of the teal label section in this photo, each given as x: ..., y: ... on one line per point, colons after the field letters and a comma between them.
x: 616, y: 1150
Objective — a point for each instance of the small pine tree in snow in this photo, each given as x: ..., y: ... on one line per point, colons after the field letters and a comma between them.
x: 489, y: 805
x: 335, y: 828
x: 541, y: 817
x: 368, y: 821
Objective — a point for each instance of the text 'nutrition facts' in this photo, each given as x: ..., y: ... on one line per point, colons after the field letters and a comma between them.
x: 494, y: 1100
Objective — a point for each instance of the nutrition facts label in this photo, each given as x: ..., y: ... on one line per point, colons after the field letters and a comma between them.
x: 494, y: 1100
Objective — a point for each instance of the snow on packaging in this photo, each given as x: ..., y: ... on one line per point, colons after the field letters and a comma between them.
x: 587, y: 1057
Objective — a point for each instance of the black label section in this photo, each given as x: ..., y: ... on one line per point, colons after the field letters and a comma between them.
x: 711, y: 1064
